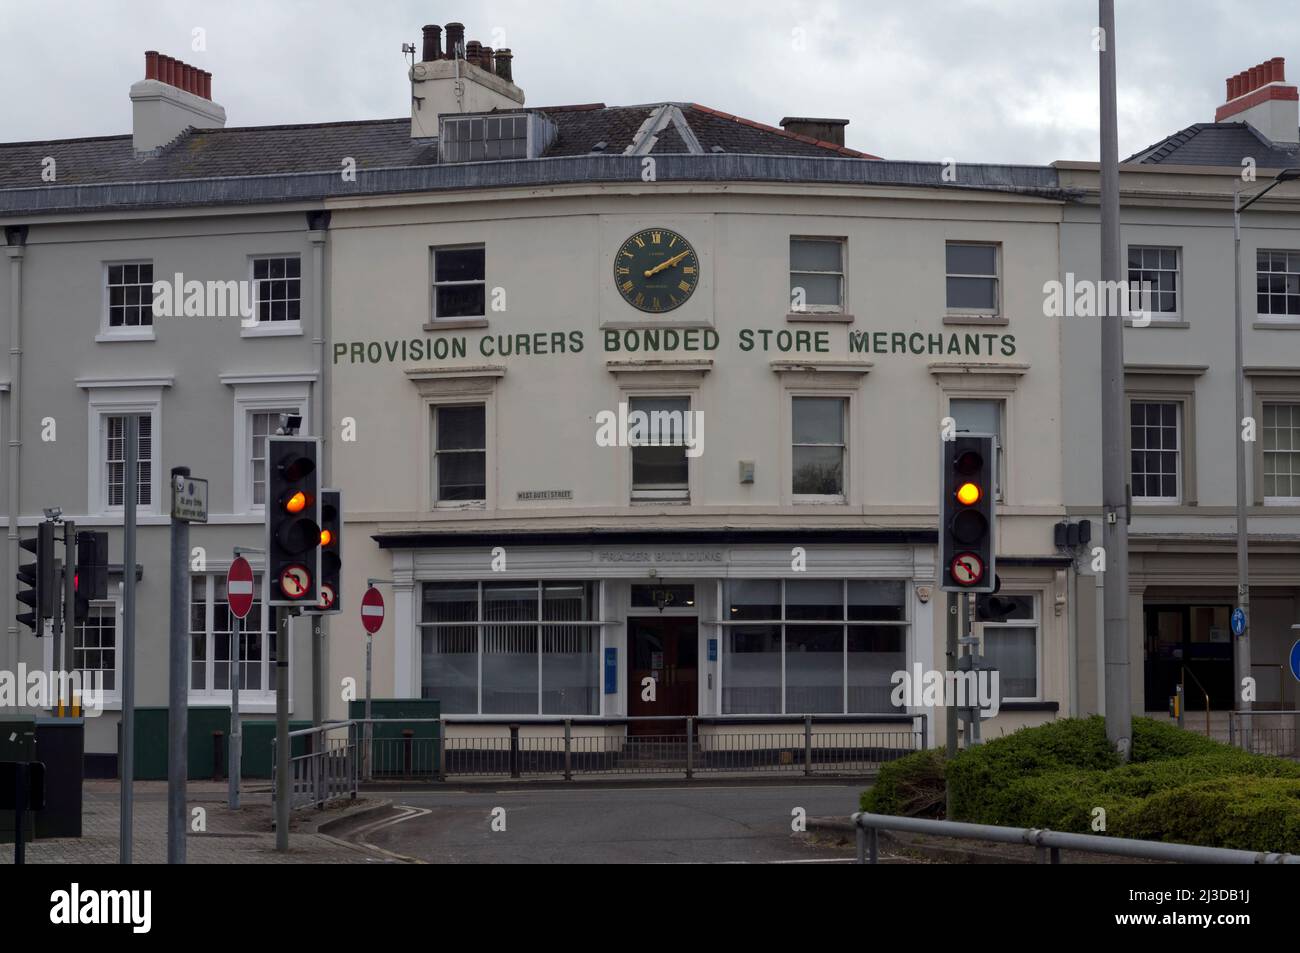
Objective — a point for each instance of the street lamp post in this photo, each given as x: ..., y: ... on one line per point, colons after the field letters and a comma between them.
x: 1241, y: 648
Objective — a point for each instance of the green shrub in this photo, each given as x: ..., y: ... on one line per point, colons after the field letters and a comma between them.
x: 1248, y: 813
x: 1159, y: 740
x: 911, y: 786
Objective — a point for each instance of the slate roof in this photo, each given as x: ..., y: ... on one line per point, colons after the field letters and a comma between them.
x: 1218, y: 144
x: 376, y: 144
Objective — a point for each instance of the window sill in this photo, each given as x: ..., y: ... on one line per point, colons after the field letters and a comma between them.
x: 271, y: 329
x: 797, y: 500
x: 460, y: 505
x: 120, y: 337
x: 1158, y: 323
x: 1272, y: 324
x: 1029, y: 706
x: 251, y: 701
x: 660, y: 501
x: 827, y: 317
x: 989, y: 320
x: 455, y: 324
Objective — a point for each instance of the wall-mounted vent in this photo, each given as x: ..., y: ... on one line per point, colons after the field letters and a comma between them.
x: 487, y: 137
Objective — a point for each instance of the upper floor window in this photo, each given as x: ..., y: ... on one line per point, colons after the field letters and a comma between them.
x: 819, y: 448
x: 1280, y: 448
x: 277, y: 288
x: 261, y: 424
x: 1277, y: 283
x: 459, y: 283
x: 114, y: 429
x: 983, y: 415
x: 1153, y: 280
x: 660, y: 467
x: 972, y: 277
x: 1156, y: 450
x: 817, y: 275
x: 460, y: 453
x: 129, y: 299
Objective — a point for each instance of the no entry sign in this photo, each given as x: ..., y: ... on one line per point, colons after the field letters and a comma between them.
x: 372, y: 610
x: 239, y: 587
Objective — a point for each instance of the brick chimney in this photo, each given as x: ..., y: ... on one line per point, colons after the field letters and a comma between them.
x: 445, y: 83
x: 1262, y: 97
x: 827, y: 130
x: 172, y: 97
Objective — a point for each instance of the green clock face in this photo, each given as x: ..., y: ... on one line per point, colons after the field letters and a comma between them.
x: 656, y: 270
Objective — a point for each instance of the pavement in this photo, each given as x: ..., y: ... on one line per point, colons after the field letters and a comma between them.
x: 666, y: 822
x: 231, y: 837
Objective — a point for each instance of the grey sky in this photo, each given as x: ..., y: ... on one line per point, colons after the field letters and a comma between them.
x: 977, y: 80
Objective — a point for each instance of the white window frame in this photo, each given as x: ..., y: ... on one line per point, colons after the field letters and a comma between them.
x: 842, y: 274
x: 1181, y: 449
x: 1003, y: 402
x: 1269, y: 317
x: 1179, y: 288
x: 431, y: 425
x: 434, y: 284
x: 1037, y: 624
x: 846, y: 416
x: 1263, y: 454
x: 251, y: 701
x: 996, y: 310
x: 676, y: 497
x: 109, y: 334
x: 113, y: 399
x: 112, y: 700
x: 262, y: 395
x: 256, y: 327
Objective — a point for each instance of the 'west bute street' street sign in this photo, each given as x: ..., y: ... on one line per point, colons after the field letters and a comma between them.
x: 190, y: 499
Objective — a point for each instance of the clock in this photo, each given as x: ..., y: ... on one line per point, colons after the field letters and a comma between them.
x: 656, y: 270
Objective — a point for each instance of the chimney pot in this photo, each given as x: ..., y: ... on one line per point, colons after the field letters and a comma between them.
x: 473, y: 49
x: 205, y: 85
x: 485, y: 58
x: 150, y: 64
x: 162, y: 68
x: 1267, y: 69
x: 455, y: 40
x: 187, y: 77
x: 432, y: 43
x: 503, y: 58
x: 1279, y: 69
x: 1254, y: 77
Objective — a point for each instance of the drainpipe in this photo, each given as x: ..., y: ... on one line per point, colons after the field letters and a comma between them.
x: 318, y: 224
x: 15, y: 247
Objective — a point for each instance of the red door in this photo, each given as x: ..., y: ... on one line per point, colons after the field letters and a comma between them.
x: 665, y: 649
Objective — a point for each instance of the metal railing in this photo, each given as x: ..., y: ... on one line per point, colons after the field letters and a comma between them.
x: 1049, y: 844
x: 1265, y: 732
x: 328, y: 770
x: 657, y: 745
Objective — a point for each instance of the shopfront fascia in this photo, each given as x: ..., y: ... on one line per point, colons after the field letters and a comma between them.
x: 748, y: 627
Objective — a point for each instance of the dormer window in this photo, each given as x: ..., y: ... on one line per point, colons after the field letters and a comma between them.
x: 487, y: 137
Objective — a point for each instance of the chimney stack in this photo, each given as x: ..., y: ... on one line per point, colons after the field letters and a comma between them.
x: 1261, y: 97
x: 824, y: 130
x: 172, y: 97
x: 442, y: 86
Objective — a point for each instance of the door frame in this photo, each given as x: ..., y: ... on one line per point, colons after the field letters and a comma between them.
x: 682, y: 613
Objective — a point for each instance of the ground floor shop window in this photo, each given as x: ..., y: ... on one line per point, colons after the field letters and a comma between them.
x: 511, y: 648
x: 813, y: 646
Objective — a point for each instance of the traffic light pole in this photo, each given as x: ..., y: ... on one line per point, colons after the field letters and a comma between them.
x: 950, y: 653
x: 177, y: 715
x: 282, y: 616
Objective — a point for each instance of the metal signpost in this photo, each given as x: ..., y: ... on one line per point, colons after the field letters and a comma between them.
x: 127, y: 767
x: 189, y: 504
x: 372, y: 618
x: 239, y: 595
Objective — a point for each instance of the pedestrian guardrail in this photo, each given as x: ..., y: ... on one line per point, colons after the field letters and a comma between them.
x: 852, y: 745
x: 327, y: 770
x: 1049, y: 844
x: 1265, y: 732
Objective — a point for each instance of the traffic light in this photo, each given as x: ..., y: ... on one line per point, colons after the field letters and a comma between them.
x: 331, y: 551
x: 91, y: 578
x: 293, y: 534
x: 966, y: 513
x: 39, y: 588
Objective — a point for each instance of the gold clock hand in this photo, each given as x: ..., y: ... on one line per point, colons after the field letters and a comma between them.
x: 666, y: 264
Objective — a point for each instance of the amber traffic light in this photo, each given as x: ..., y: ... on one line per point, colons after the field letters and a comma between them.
x: 293, y: 533
x: 966, y: 513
